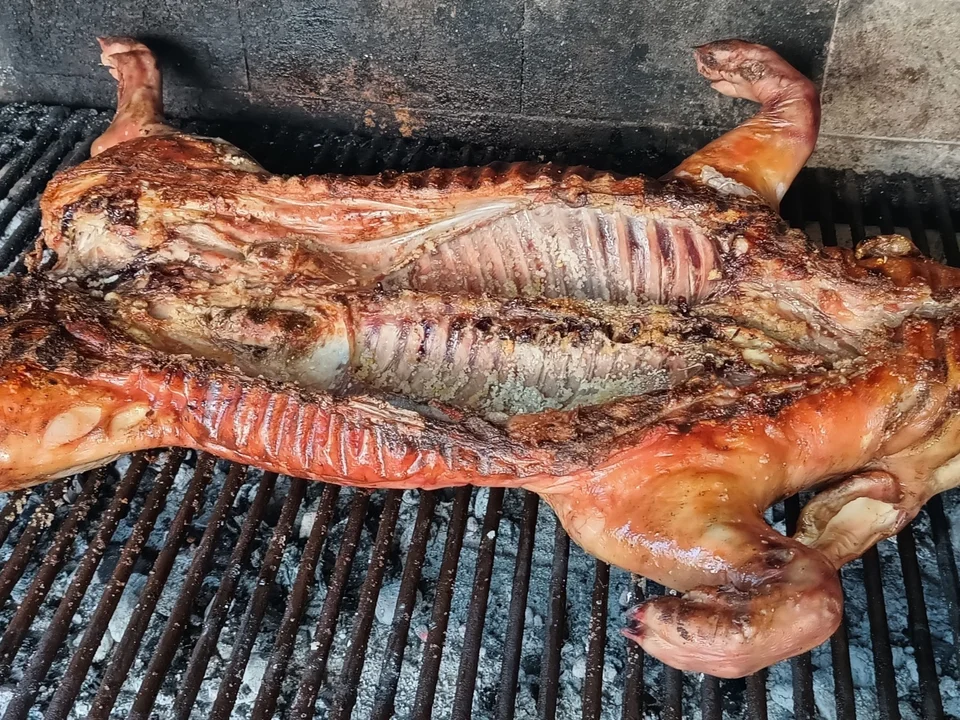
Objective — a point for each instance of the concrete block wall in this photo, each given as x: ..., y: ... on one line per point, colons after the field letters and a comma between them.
x: 590, y: 75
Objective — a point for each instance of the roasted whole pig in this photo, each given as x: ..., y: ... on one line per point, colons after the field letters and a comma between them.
x: 659, y: 360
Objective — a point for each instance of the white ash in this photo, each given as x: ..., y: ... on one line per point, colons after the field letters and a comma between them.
x: 579, y: 589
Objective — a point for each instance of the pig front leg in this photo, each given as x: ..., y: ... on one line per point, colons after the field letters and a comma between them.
x: 750, y: 596
x: 848, y: 518
x: 845, y: 520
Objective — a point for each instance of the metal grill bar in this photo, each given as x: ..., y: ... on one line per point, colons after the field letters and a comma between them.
x: 919, y: 628
x: 880, y: 637
x: 16, y: 123
x: 757, y: 695
x: 802, y: 670
x: 672, y: 697
x: 26, y: 693
x: 633, y: 694
x: 315, y: 667
x: 383, y: 704
x: 180, y: 649
x: 711, y: 707
x: 258, y: 602
x: 69, y: 686
x: 843, y: 693
x: 133, y: 635
x: 518, y: 602
x: 467, y: 675
x: 357, y: 650
x: 553, y: 640
x: 17, y: 629
x: 53, y: 560
x: 212, y: 625
x: 437, y: 634
x: 177, y: 623
x: 946, y: 563
x: 16, y: 503
x: 41, y: 519
x: 12, y: 251
x: 906, y: 545
x: 296, y: 604
x: 593, y: 678
x: 23, y: 157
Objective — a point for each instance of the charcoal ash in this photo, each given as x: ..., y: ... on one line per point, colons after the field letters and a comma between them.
x: 579, y: 589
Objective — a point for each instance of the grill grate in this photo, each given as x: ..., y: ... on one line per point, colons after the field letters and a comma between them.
x: 176, y: 585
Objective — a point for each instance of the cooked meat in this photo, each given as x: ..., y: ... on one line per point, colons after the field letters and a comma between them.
x: 671, y: 485
x: 659, y: 360
x: 481, y: 354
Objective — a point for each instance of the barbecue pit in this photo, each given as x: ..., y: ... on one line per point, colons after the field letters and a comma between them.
x: 175, y: 585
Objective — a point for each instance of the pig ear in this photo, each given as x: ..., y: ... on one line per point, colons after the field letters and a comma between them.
x: 763, y: 155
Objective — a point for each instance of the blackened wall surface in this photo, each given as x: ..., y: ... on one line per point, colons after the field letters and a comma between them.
x: 587, y: 74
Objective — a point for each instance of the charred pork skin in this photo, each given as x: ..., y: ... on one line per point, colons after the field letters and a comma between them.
x: 661, y: 360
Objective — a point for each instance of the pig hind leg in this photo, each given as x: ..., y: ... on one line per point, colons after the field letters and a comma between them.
x: 763, y: 155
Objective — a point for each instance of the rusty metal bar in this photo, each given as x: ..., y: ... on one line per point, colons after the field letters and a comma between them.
x: 257, y: 606
x: 177, y: 622
x: 469, y: 655
x: 513, y: 641
x: 213, y: 623
x: 887, y: 702
x: 57, y: 630
x: 66, y: 693
x: 383, y: 702
x: 919, y: 626
x: 346, y: 695
x: 711, y: 705
x: 40, y: 520
x: 52, y: 640
x: 556, y: 622
x: 316, y: 664
x: 633, y: 691
x: 266, y: 701
x: 437, y: 632
x: 50, y: 565
x: 756, y: 695
x: 801, y: 665
x: 16, y: 503
x: 593, y: 680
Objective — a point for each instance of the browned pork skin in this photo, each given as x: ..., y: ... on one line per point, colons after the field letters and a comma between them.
x: 764, y: 154
x: 521, y: 230
x: 671, y: 484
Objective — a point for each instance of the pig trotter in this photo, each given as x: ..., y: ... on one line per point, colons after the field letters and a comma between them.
x: 785, y: 601
x: 846, y: 519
